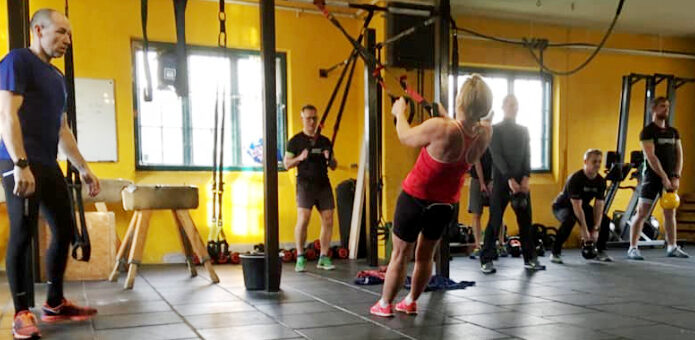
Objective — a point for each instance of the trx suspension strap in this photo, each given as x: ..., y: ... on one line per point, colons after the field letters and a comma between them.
x: 181, y: 60
x: 222, y: 244
x: 81, y: 247
x: 353, y: 56
x: 455, y: 61
x: 145, y: 47
x: 373, y: 63
x: 339, y: 117
x: 218, y: 248
x: 213, y: 250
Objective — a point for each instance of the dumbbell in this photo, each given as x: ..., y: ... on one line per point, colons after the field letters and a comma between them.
x: 310, y: 254
x: 223, y: 258
x: 286, y: 255
x: 343, y: 253
x: 234, y: 258
x: 334, y: 252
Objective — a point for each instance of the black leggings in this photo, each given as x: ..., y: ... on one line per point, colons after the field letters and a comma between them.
x: 52, y: 196
x: 498, y: 203
x: 568, y: 219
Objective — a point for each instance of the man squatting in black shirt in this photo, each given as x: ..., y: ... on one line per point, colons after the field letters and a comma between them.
x: 573, y: 205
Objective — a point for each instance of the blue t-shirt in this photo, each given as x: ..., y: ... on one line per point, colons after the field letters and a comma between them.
x: 43, y: 87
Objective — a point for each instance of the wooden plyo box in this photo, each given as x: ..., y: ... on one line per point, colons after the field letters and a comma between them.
x: 104, y: 242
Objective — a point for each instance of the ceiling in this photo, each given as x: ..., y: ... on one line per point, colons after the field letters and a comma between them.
x: 663, y: 17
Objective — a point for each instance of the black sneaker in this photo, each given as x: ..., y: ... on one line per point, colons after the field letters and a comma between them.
x: 488, y: 268
x: 556, y: 258
x: 534, y: 265
x: 603, y: 257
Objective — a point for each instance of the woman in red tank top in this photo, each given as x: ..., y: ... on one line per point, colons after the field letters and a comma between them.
x: 448, y: 147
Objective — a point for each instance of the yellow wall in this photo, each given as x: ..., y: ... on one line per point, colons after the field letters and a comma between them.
x: 3, y: 23
x: 585, y: 107
x: 102, y: 32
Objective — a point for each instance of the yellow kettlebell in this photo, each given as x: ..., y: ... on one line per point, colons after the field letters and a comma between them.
x: 670, y: 200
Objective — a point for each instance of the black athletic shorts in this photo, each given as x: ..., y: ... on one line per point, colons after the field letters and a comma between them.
x: 414, y: 215
x: 315, y: 193
x: 651, y: 189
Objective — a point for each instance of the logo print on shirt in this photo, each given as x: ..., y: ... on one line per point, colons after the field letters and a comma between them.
x: 665, y: 141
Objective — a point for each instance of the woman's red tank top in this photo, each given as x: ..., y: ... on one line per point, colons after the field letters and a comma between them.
x: 437, y: 181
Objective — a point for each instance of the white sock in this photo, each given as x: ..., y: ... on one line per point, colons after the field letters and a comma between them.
x: 408, y: 300
x: 670, y: 248
x: 631, y: 249
x: 383, y: 303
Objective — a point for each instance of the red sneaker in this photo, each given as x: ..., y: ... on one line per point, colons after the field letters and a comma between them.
x: 24, y: 326
x: 410, y: 309
x: 66, y: 311
x: 381, y: 311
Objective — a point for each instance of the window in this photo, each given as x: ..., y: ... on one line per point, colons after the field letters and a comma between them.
x: 534, y: 92
x: 176, y: 134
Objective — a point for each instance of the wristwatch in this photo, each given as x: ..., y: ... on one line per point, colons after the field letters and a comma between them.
x: 22, y: 163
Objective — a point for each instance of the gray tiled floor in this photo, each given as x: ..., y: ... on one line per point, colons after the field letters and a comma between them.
x: 654, y: 299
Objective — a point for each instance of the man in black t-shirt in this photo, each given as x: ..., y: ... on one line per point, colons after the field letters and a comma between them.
x: 573, y: 205
x: 312, y: 155
x: 663, y: 164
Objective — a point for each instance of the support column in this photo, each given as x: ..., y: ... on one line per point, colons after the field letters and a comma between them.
x: 270, y: 133
x: 441, y: 94
x: 372, y: 119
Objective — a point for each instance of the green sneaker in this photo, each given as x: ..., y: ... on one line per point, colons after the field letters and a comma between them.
x: 301, y: 264
x: 325, y: 263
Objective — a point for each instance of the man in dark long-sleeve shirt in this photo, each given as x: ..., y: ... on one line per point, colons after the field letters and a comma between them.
x: 511, y: 164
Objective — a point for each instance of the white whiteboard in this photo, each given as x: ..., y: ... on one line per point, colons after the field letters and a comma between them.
x: 96, y: 119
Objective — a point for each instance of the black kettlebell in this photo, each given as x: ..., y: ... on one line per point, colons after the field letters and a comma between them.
x: 519, y: 201
x: 485, y: 199
x: 514, y: 246
x: 540, y: 248
x: 589, y: 250
x: 550, y: 236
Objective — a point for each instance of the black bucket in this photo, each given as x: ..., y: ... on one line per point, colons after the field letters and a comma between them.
x: 253, y: 266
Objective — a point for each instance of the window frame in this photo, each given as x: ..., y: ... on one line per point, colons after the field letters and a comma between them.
x: 137, y: 45
x: 547, y: 105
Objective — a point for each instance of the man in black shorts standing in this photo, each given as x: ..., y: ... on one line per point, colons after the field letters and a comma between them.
x: 312, y: 154
x: 479, y: 197
x: 511, y: 163
x: 662, y: 169
x: 573, y: 205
